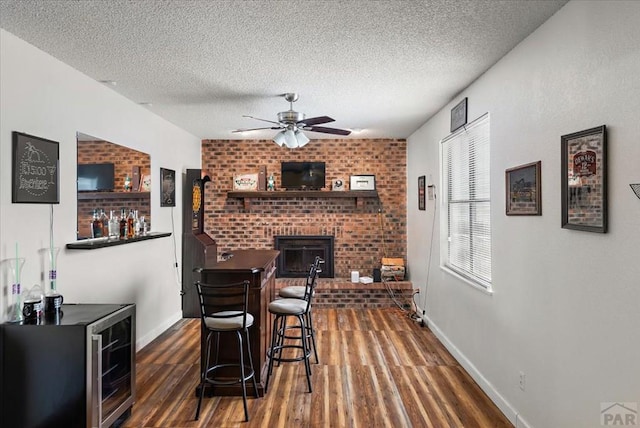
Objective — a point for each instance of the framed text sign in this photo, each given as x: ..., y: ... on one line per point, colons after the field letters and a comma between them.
x: 35, y: 172
x: 584, y: 180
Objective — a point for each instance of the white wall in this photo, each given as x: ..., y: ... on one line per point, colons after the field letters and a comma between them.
x: 566, y: 304
x: 42, y: 96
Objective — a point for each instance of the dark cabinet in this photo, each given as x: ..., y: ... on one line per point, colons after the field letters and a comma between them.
x: 77, y: 370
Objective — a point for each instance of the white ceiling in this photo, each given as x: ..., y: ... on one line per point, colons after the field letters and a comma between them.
x: 384, y: 66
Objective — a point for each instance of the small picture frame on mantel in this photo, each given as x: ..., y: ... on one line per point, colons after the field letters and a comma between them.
x: 459, y: 115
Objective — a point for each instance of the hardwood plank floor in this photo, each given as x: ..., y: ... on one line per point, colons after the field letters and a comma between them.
x: 378, y: 368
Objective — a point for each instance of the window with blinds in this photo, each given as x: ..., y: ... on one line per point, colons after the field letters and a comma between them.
x: 466, y: 202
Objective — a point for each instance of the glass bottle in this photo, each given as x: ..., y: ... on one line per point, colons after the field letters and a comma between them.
x: 96, y: 225
x: 143, y: 226
x: 105, y: 222
x: 136, y: 223
x: 130, y: 225
x: 113, y: 225
x: 123, y: 224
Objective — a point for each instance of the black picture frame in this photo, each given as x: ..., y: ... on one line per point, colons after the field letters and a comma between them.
x: 35, y: 170
x: 584, y: 180
x: 459, y: 115
x: 421, y: 193
x: 167, y: 187
x: 523, y: 194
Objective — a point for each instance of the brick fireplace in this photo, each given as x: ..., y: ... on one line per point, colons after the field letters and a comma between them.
x: 363, y: 231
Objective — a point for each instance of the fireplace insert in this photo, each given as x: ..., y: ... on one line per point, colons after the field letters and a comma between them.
x: 297, y: 252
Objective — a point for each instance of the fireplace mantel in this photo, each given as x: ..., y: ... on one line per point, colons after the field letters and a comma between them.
x: 247, y: 196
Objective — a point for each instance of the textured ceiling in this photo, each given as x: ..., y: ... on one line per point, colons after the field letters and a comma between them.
x: 383, y: 66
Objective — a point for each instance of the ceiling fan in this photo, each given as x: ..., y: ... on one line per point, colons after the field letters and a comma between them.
x: 291, y: 124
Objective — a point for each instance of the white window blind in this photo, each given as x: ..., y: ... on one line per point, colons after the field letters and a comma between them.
x: 467, y: 200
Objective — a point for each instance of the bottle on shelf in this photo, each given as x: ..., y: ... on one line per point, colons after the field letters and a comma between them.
x: 123, y: 224
x: 114, y: 225
x: 136, y: 223
x: 96, y: 225
x: 105, y: 222
x: 143, y: 226
x: 131, y: 225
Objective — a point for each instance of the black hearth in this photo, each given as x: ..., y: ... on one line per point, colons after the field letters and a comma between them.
x: 298, y: 252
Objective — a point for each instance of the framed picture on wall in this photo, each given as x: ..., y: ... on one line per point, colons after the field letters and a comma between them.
x: 459, y: 115
x: 584, y: 180
x: 35, y: 170
x: 168, y: 187
x: 523, y: 189
x: 421, y: 193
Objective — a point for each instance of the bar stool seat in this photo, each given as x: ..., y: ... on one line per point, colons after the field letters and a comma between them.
x: 288, y: 306
x: 234, y: 322
x: 292, y: 291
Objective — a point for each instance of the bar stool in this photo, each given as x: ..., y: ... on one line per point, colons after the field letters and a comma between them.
x: 297, y: 292
x: 283, y: 309
x: 223, y: 309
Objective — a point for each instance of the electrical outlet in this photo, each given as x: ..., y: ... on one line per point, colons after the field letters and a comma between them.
x: 523, y: 381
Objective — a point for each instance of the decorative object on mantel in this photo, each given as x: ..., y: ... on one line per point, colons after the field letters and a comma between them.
x: 338, y: 185
x: 523, y: 189
x: 292, y: 123
x: 145, y: 183
x: 584, y: 180
x: 636, y: 189
x: 271, y: 183
x: 459, y: 115
x: 35, y: 172
x: 127, y: 183
x: 362, y: 182
x: 168, y: 187
x: 245, y: 182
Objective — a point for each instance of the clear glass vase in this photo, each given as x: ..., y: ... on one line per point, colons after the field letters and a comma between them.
x: 14, y: 312
x: 49, y: 259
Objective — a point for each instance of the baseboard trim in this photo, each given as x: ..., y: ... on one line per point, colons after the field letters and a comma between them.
x: 484, y: 384
x: 521, y: 423
x: 161, y: 328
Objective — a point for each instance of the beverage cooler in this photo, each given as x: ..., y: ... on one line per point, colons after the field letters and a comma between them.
x: 74, y: 369
x: 198, y: 248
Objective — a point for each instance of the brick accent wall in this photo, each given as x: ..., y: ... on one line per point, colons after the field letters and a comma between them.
x: 124, y: 159
x: 359, y: 242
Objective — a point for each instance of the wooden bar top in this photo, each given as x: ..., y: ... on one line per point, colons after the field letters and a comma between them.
x: 244, y: 260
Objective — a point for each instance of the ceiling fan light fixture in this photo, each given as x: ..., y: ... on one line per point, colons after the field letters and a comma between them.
x: 290, y: 139
x: 302, y: 139
x: 279, y: 138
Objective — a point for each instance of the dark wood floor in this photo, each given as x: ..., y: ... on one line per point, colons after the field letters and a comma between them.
x: 377, y: 368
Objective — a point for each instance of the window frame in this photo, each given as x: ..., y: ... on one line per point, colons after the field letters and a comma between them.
x: 462, y: 136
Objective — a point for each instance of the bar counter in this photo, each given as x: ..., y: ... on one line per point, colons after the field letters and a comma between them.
x: 258, y: 267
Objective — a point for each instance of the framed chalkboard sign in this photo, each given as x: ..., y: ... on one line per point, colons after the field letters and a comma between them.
x: 168, y: 192
x: 35, y: 173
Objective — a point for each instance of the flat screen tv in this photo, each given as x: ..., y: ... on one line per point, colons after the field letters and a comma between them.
x: 303, y: 175
x: 95, y: 177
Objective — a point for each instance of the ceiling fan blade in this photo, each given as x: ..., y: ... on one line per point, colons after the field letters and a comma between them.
x: 264, y: 120
x: 255, y: 129
x: 326, y: 130
x: 316, y: 120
